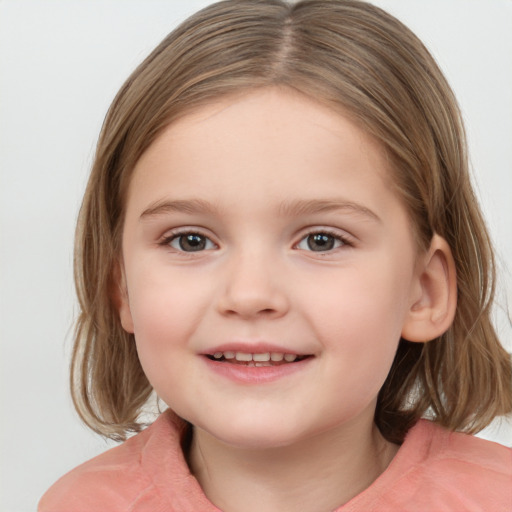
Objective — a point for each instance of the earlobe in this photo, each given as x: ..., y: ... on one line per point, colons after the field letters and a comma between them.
x: 120, y: 297
x: 432, y: 312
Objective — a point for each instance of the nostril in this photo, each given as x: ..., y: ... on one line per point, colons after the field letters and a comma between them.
x: 244, y: 311
x: 252, y: 301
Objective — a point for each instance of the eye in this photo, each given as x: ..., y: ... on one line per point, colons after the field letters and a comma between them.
x: 190, y: 242
x: 321, y: 242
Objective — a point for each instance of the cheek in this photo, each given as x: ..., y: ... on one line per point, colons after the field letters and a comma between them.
x: 165, y: 309
x: 162, y: 298
x: 164, y: 319
x: 358, y: 317
x: 360, y: 305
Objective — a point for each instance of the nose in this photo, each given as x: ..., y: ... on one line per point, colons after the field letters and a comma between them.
x: 253, y: 288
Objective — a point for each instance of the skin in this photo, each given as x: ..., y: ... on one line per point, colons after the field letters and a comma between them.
x: 306, y: 441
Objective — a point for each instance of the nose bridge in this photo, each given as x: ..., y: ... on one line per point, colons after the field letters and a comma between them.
x: 252, y: 286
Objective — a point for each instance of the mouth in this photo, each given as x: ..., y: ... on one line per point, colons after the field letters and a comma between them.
x: 263, y: 359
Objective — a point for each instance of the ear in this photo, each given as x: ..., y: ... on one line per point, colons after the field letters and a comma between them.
x: 433, y: 306
x: 120, y: 297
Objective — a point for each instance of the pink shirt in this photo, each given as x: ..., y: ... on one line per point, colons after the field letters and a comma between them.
x: 434, y: 470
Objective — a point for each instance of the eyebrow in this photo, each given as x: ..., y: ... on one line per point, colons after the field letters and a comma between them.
x: 180, y: 206
x: 290, y: 208
x: 311, y: 206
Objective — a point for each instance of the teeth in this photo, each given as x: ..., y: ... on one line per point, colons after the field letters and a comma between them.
x: 262, y: 359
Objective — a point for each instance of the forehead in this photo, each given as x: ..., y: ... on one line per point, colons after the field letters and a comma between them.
x: 272, y: 142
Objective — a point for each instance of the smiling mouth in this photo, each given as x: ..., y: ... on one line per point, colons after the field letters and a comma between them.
x: 256, y: 360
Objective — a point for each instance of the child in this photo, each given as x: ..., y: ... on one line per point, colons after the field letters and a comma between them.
x: 280, y: 239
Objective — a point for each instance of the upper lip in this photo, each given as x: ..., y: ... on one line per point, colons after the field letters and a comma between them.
x: 254, y: 348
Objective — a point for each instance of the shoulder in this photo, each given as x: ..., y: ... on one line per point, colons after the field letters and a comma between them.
x: 443, y: 470
x: 112, y: 481
x: 436, y: 469
x: 471, y: 456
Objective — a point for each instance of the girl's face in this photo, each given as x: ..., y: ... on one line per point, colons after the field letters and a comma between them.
x: 263, y: 228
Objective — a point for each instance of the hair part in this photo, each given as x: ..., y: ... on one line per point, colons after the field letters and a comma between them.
x: 358, y: 60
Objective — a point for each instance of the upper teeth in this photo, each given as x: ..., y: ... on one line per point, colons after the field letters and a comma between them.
x: 262, y: 357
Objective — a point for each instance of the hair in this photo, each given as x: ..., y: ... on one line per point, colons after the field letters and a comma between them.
x: 361, y: 61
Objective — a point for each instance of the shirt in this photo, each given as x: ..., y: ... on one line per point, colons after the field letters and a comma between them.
x: 434, y: 470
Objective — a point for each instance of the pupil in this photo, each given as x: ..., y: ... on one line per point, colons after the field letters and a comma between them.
x: 320, y: 242
x: 192, y: 242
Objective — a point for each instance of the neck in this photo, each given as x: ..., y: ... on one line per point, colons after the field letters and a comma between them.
x: 319, y: 473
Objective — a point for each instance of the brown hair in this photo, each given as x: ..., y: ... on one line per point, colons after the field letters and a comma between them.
x: 354, y: 57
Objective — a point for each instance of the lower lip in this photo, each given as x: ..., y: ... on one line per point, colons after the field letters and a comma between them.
x: 256, y: 374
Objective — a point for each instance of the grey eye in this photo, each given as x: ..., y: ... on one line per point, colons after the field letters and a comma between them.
x: 319, y: 242
x: 191, y: 242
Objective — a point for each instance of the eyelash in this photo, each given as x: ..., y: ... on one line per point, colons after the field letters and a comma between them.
x: 344, y: 241
x: 167, y: 241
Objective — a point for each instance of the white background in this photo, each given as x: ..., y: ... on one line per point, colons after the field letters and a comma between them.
x: 61, y: 63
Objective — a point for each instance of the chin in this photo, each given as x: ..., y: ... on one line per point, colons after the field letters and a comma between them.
x: 256, y: 436
x: 258, y: 441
